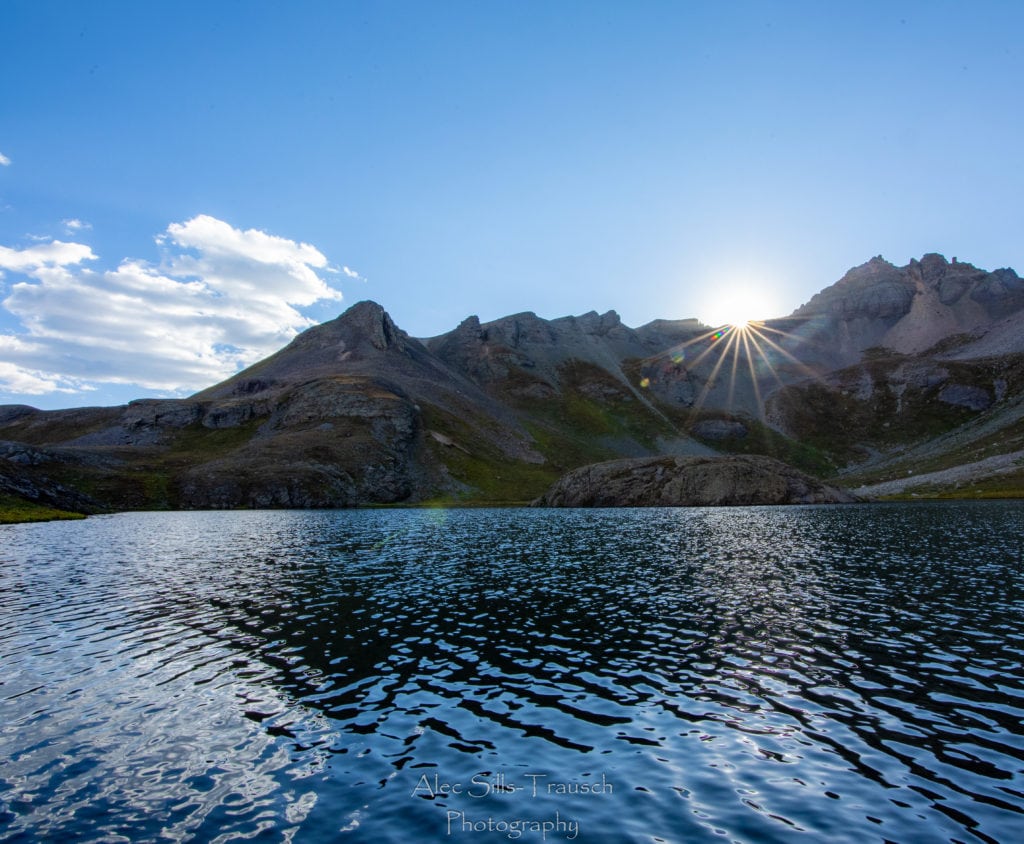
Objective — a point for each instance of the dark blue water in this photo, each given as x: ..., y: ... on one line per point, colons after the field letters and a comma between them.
x: 674, y: 675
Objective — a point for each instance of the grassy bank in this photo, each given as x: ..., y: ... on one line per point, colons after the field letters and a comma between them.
x: 14, y: 510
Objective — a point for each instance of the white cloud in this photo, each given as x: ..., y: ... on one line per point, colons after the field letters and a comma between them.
x: 30, y: 383
x: 48, y: 255
x: 75, y: 225
x: 4, y: 160
x: 350, y: 272
x: 221, y: 298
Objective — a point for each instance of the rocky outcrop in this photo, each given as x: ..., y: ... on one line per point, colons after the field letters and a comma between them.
x: 875, y: 290
x: 906, y: 309
x: 720, y: 429
x: 31, y: 485
x: 332, y: 442
x: 689, y: 482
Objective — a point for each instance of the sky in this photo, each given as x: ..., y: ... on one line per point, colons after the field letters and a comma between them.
x: 186, y: 185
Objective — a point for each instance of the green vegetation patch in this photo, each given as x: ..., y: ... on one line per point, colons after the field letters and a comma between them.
x: 499, y: 481
x: 595, y: 405
x: 476, y: 461
x: 198, y: 444
x: 1008, y: 485
x: 836, y: 421
x: 14, y: 510
x: 1003, y: 441
x: 567, y: 449
x: 55, y: 427
x: 571, y: 428
x: 761, y: 439
x: 146, y: 480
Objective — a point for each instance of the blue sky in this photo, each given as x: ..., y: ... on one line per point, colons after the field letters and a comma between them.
x: 185, y: 185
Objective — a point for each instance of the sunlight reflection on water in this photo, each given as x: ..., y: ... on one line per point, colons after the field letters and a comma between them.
x: 747, y: 673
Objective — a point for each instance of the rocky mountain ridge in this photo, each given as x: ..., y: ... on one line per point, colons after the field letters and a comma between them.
x: 890, y: 370
x: 908, y: 309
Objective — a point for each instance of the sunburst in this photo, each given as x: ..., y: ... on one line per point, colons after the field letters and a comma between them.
x: 743, y: 349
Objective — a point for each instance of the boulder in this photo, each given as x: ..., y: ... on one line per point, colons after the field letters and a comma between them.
x: 689, y: 482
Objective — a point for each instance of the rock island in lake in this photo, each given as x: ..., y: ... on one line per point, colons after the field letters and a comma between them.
x: 689, y: 481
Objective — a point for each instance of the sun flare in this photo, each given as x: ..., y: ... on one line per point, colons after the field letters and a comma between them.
x: 741, y: 349
x: 737, y: 307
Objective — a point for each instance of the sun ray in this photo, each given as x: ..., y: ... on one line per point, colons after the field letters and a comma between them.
x: 753, y: 376
x: 767, y: 362
x: 713, y: 334
x: 735, y: 365
x: 799, y: 363
x: 723, y: 348
x: 799, y: 338
x: 709, y: 382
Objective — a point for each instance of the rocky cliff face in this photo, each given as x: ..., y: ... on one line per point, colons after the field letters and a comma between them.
x: 876, y: 366
x: 907, y: 309
x: 23, y: 476
x: 904, y: 357
x: 689, y: 482
x: 525, y: 344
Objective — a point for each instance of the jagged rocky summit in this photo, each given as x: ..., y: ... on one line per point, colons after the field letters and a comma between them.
x: 910, y: 309
x: 690, y: 482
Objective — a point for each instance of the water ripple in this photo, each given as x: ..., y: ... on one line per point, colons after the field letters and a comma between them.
x: 755, y: 674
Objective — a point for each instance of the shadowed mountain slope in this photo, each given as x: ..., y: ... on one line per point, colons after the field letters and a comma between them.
x: 887, y: 373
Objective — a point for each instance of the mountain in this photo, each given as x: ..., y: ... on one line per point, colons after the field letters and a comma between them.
x: 918, y: 377
x: 907, y: 309
x: 889, y: 373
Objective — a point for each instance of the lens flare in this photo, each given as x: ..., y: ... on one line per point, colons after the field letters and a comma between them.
x: 745, y: 358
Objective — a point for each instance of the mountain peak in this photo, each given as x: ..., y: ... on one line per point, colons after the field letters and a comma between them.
x: 594, y: 323
x: 348, y: 343
x: 368, y: 321
x: 876, y: 290
x: 908, y: 309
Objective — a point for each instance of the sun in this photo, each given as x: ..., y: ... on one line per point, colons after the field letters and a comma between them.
x: 737, y: 306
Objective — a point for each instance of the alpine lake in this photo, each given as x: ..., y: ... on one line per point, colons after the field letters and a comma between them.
x: 753, y: 674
